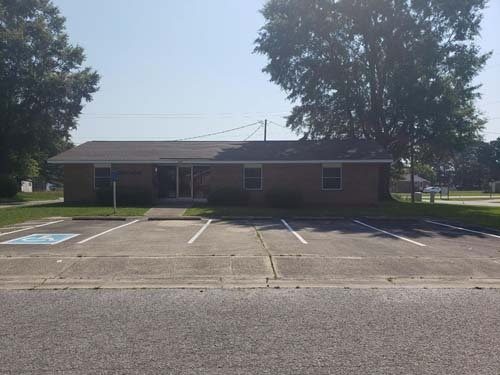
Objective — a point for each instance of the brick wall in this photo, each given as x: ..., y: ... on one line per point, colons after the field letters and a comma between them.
x: 79, y: 181
x: 136, y: 177
x: 360, y: 182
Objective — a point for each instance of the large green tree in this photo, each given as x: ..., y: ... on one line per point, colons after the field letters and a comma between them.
x: 397, y: 71
x: 43, y: 84
x: 494, y: 161
x: 477, y: 165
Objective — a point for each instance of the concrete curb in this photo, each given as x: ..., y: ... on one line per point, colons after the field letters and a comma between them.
x: 244, y: 283
x: 245, y: 218
x: 395, y: 218
x: 106, y: 218
x: 185, y: 218
x: 314, y: 218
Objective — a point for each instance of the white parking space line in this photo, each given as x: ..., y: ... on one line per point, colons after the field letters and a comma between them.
x: 31, y: 227
x: 460, y: 228
x: 293, y: 232
x: 198, y: 234
x: 389, y: 234
x: 106, y: 231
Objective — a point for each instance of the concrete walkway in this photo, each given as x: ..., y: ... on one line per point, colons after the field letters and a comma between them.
x: 465, y: 197
x: 169, y: 209
x: 31, y: 203
x: 495, y: 202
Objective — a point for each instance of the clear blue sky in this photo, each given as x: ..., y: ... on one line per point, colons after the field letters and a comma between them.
x: 175, y: 69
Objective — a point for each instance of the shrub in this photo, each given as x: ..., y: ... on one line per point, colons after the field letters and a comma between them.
x: 124, y: 196
x: 8, y: 186
x: 228, y: 197
x: 104, y: 196
x: 130, y: 196
x: 284, y: 198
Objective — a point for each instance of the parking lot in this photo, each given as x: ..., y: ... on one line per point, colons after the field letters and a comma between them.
x: 61, y: 253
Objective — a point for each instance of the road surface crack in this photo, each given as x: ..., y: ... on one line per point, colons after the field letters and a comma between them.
x: 266, y: 248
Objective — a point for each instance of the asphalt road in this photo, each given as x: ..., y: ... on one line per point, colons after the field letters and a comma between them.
x: 261, y: 331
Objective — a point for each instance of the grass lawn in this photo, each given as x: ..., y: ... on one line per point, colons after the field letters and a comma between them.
x: 484, y: 216
x: 35, y: 196
x: 13, y: 215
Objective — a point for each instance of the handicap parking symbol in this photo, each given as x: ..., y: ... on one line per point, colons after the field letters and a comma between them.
x: 41, y: 239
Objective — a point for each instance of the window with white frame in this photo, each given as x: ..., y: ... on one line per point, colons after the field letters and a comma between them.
x: 252, y: 177
x: 331, y: 177
x: 102, y: 177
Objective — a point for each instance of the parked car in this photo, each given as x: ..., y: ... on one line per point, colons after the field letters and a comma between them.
x: 432, y: 189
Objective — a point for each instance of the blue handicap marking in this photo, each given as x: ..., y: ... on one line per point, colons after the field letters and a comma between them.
x: 41, y: 239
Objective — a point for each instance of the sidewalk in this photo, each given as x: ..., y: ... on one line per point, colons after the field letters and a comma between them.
x: 31, y: 203
x: 168, y: 209
x: 465, y: 197
x: 495, y: 202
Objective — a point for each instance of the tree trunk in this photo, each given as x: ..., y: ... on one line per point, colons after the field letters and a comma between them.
x: 384, y: 192
x: 412, y: 173
x: 4, y: 165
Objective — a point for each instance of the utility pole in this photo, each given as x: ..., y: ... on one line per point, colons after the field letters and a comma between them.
x: 265, y: 130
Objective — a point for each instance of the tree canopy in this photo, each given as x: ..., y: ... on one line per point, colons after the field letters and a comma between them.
x: 477, y: 165
x: 397, y: 71
x: 472, y: 168
x: 43, y: 84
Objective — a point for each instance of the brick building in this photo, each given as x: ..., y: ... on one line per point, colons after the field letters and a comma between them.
x: 330, y: 172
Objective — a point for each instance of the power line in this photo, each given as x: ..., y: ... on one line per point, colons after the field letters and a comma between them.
x: 220, y: 132
x: 175, y: 115
x: 187, y: 138
x: 275, y: 123
x: 486, y: 132
x: 253, y: 133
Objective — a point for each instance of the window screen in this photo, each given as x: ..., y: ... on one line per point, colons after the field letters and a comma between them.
x: 332, y: 178
x: 102, y: 177
x: 253, y: 178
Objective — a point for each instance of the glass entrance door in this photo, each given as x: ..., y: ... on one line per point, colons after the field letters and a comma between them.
x: 201, y: 181
x: 185, y: 181
x: 167, y: 179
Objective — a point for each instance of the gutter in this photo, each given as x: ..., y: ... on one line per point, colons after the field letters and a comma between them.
x: 207, y: 161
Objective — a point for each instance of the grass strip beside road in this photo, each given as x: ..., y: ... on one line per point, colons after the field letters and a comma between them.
x: 19, y: 214
x: 474, y: 215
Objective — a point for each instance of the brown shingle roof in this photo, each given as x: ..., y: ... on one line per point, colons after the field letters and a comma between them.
x: 270, y: 151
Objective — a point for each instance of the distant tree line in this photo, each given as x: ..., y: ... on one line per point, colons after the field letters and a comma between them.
x: 473, y: 168
x: 470, y: 169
